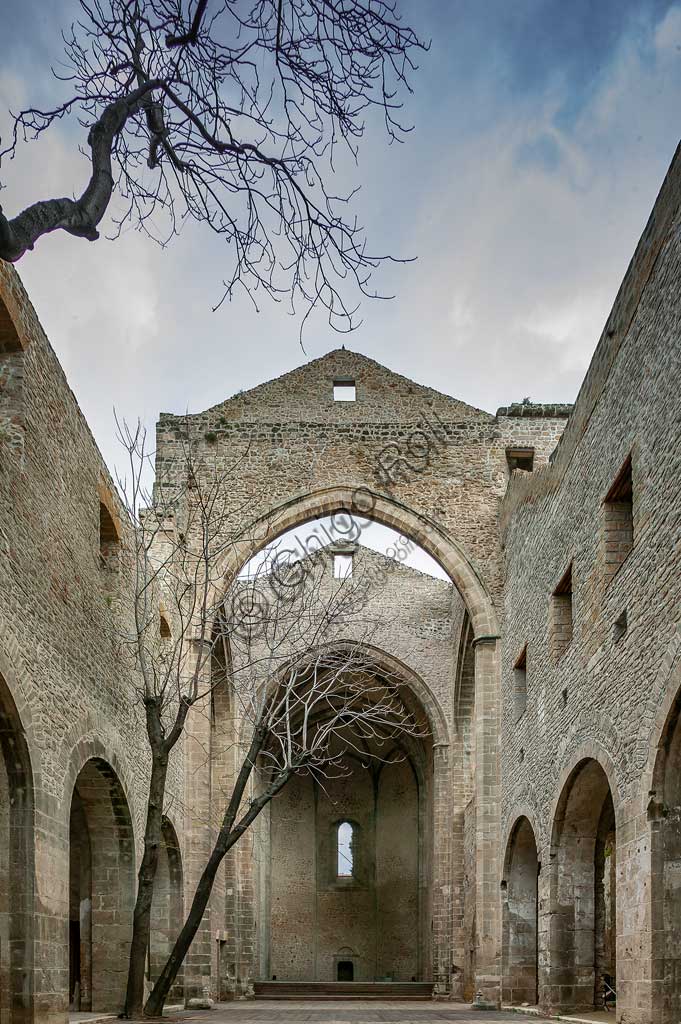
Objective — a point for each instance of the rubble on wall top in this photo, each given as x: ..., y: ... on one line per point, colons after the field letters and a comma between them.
x: 553, y: 410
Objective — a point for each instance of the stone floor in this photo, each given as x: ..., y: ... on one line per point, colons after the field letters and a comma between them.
x: 354, y: 1012
x: 350, y: 1012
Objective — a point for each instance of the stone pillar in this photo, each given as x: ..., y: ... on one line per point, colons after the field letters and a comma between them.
x: 442, y: 871
x: 487, y: 818
x: 637, y: 914
x: 199, y: 833
x: 47, y: 958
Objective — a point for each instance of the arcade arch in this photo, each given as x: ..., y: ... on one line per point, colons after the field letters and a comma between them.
x: 583, y: 892
x: 101, y: 889
x: 16, y: 866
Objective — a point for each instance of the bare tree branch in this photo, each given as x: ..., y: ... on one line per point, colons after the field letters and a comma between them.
x: 228, y: 113
x: 289, y: 642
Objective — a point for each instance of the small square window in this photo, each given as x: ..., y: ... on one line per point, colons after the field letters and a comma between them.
x: 342, y: 567
x: 520, y: 685
x: 618, y: 520
x: 344, y: 390
x: 562, y: 626
x: 520, y: 458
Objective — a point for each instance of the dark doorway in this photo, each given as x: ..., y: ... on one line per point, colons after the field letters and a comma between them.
x: 346, y: 970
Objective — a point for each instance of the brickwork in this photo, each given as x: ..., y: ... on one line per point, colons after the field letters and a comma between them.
x: 380, y: 920
x: 435, y: 470
x: 66, y: 698
x: 596, y: 713
x: 542, y: 847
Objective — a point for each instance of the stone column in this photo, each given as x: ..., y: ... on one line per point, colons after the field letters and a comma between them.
x: 487, y: 819
x: 199, y: 833
x: 47, y: 950
x: 442, y: 871
x: 638, y: 839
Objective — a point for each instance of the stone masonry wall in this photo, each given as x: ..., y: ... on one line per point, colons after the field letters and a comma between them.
x: 57, y: 604
x: 604, y: 694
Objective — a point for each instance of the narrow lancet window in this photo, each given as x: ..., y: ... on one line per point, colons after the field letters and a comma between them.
x: 345, y: 853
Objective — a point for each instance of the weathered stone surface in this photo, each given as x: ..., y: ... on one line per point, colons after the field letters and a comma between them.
x: 541, y: 845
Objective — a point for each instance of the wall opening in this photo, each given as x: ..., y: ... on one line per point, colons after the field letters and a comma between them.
x: 520, y: 924
x: 583, y: 900
x: 109, y: 541
x: 342, y: 567
x: 346, y: 970
x: 520, y: 684
x: 664, y: 815
x: 562, y: 615
x: 520, y: 458
x: 17, y: 910
x: 344, y: 390
x: 101, y: 886
x: 620, y: 626
x: 344, y: 850
x: 618, y: 520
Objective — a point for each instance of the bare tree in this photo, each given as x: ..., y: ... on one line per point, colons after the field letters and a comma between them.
x: 306, y: 697
x: 179, y: 535
x: 227, y: 112
x: 300, y: 685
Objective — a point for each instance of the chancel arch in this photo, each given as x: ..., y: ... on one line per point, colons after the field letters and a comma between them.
x: 350, y: 868
x: 475, y: 806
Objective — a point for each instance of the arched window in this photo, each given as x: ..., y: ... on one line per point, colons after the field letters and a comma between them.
x: 345, y: 859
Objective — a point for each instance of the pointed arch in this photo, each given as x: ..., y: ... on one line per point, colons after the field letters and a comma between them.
x: 520, y: 929
x: 17, y: 866
x: 362, y: 502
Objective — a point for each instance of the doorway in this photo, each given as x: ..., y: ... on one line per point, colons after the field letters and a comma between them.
x: 346, y: 970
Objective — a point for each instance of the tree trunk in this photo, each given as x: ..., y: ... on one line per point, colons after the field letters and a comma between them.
x: 159, y: 993
x: 227, y: 837
x: 141, y: 925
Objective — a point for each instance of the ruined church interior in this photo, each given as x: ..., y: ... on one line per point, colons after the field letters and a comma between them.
x: 521, y: 848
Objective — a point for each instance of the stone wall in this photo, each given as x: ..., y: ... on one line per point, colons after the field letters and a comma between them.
x: 550, y: 673
x: 379, y: 920
x: 434, y: 469
x: 597, y: 704
x: 67, y: 696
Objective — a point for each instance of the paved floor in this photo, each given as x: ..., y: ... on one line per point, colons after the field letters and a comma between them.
x: 348, y: 1011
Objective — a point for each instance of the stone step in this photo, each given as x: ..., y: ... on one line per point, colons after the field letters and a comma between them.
x: 343, y: 990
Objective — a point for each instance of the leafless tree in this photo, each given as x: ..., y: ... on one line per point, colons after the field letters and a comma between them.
x: 292, y: 640
x: 179, y: 534
x: 307, y: 692
x: 227, y: 112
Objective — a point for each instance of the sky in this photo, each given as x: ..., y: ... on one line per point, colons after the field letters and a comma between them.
x: 542, y: 133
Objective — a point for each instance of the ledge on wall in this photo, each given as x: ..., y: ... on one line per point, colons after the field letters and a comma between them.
x: 546, y: 410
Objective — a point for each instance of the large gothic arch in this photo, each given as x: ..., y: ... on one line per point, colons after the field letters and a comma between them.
x: 437, y: 542
x: 427, y: 759
x: 388, y: 511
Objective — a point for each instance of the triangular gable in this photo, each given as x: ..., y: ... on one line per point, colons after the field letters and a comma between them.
x: 306, y: 394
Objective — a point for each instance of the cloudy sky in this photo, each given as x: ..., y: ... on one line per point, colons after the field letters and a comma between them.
x: 543, y: 130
